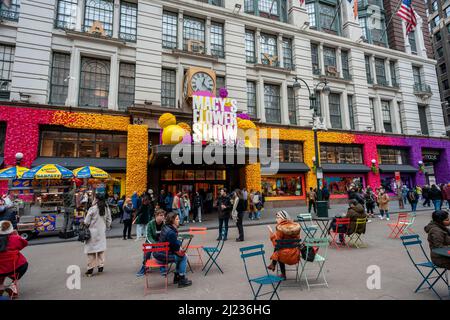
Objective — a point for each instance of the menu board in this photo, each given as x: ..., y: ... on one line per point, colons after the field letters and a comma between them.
x: 46, y: 223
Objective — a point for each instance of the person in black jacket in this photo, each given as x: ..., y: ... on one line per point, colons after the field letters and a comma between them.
x: 169, y: 233
x: 238, y: 210
x: 224, y: 208
x: 426, y: 195
x: 197, y: 207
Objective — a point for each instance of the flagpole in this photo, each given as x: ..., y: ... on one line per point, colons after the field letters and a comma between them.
x: 390, y: 19
x: 335, y: 14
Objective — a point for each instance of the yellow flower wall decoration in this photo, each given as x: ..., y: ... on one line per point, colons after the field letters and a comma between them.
x: 253, y: 177
x: 185, y: 126
x: 167, y: 119
x: 137, y: 156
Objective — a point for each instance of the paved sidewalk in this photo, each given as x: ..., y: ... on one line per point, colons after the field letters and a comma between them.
x: 210, y: 221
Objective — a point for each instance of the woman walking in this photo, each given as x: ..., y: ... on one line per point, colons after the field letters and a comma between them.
x: 127, y: 218
x: 369, y: 198
x: 98, y: 220
x: 383, y: 200
x: 238, y: 212
x: 198, y: 207
x: 143, y: 217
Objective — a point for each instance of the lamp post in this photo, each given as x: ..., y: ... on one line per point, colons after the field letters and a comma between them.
x: 19, y: 157
x: 317, y: 122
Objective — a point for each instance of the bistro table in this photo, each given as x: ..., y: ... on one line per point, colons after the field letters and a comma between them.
x: 186, y: 237
x: 324, y: 224
x: 445, y: 252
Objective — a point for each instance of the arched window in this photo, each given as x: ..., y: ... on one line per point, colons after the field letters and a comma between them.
x: 94, y: 83
x: 102, y: 11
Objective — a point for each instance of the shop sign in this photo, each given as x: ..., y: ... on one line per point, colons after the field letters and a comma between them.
x: 45, y: 223
x: 430, y: 157
x: 214, y: 120
x: 398, y: 181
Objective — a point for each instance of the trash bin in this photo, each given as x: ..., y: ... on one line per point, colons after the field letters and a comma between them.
x: 322, y: 209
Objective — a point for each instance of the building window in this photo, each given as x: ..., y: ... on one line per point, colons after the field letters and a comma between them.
x: 290, y: 151
x: 423, y: 119
x: 272, y: 103
x: 436, y: 21
x: 218, y: 3
x: 6, y: 66
x: 94, y: 82
x: 193, y: 34
x: 393, y: 73
x: 59, y: 82
x: 386, y: 111
x: 168, y: 88
x: 272, y: 9
x: 363, y: 25
x: 345, y: 65
x: 440, y: 52
x: 287, y: 54
x: 434, y: 6
x: 291, y: 106
x: 372, y: 114
x: 437, y: 36
x: 351, y: 112
x: 11, y: 13
x: 447, y: 12
x: 2, y: 138
x: 443, y: 68
x: 315, y: 59
x: 269, y: 53
x: 99, y: 10
x: 368, y: 70
x: 380, y: 71
x: 66, y: 16
x: 283, y: 185
x: 126, y: 85
x: 327, y: 14
x: 220, y: 83
x: 311, y: 9
x: 169, y: 30
x: 445, y: 84
x: 389, y: 155
x: 73, y: 144
x: 412, y: 42
x: 334, y: 101
x: 250, y: 46
x: 329, y: 60
x: 217, y: 39
x: 417, y: 77
x: 128, y: 21
x: 251, y: 98
x: 340, y: 153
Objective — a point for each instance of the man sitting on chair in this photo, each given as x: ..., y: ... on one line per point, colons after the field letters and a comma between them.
x: 355, y: 211
x: 438, y: 237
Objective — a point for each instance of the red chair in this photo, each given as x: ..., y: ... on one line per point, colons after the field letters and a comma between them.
x: 199, y: 248
x: 398, y: 228
x: 342, y: 224
x: 153, y: 263
x: 8, y: 258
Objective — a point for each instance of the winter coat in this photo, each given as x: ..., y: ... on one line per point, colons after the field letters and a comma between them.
x: 369, y: 198
x: 435, y: 194
x: 438, y: 237
x: 446, y: 191
x: 127, y: 213
x: 15, y: 243
x: 383, y: 202
x: 9, y: 214
x: 153, y: 235
x: 425, y: 192
x: 224, y: 213
x: 168, y: 234
x: 286, y: 229
x: 143, y: 214
x: 354, y: 213
x: 412, y: 197
x: 136, y: 200
x: 97, y: 227
x: 198, y: 202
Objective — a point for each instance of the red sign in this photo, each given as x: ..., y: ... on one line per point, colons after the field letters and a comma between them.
x: 397, y: 176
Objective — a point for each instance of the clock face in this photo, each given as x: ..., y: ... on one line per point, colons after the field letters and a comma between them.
x: 202, y: 82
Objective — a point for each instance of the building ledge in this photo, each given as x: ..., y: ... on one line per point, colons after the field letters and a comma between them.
x: 260, y: 66
x: 332, y: 78
x: 183, y: 53
x: 89, y: 36
x: 385, y: 87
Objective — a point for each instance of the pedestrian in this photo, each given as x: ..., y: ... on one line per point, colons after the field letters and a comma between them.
x: 383, y: 201
x: 168, y: 202
x: 69, y: 201
x: 311, y: 196
x: 187, y: 206
x: 245, y: 196
x: 143, y: 216
x: 198, y: 207
x: 405, y: 191
x: 10, y: 241
x: 176, y: 206
x: 435, y: 195
x: 252, y: 209
x: 355, y: 211
x: 224, y: 208
x: 98, y: 220
x: 258, y: 204
x: 413, y: 199
x: 438, y: 237
x: 177, y: 254
x: 326, y: 195
x: 8, y: 213
x: 446, y: 194
x: 369, y: 198
x: 285, y: 229
x: 419, y: 192
x: 136, y: 200
x: 162, y: 199
x: 238, y: 212
x: 426, y: 196
x: 127, y: 218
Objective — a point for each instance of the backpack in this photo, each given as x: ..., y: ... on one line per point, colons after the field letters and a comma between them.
x: 412, y: 196
x: 311, y: 253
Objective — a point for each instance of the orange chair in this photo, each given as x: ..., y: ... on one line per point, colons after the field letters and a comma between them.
x: 197, y: 232
x: 341, y: 223
x: 399, y: 227
x: 153, y: 263
x: 11, y: 257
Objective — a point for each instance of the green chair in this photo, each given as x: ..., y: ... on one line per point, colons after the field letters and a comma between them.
x: 320, y: 258
x: 356, y: 237
x: 307, y: 225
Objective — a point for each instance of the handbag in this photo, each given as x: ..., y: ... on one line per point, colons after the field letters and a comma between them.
x: 311, y: 253
x: 84, y: 234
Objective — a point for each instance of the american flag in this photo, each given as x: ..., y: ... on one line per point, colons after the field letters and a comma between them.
x: 406, y: 12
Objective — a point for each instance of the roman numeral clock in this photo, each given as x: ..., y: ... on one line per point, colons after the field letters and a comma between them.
x: 199, y: 79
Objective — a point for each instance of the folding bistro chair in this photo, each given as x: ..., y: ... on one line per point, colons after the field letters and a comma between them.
x: 12, y: 257
x: 213, y: 253
x: 321, y: 245
x: 398, y: 227
x: 341, y: 223
x: 409, y: 241
x: 289, y: 244
x: 408, y: 225
x: 153, y: 263
x: 198, y: 248
x: 257, y: 283
x: 356, y: 237
x: 307, y: 225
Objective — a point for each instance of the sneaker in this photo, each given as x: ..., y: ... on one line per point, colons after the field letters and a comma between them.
x: 89, y: 272
x: 100, y: 269
x: 368, y: 221
x: 141, y: 272
x: 184, y: 282
x: 199, y: 221
x: 388, y: 219
x: 124, y: 238
x: 12, y: 290
x: 176, y: 278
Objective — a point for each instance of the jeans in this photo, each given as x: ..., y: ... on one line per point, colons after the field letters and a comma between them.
x: 68, y: 219
x: 427, y: 202
x: 258, y: 214
x: 240, y: 217
x: 223, y: 232
x: 313, y: 204
x: 181, y: 264
x: 414, y: 206
x: 437, y: 204
x: 141, y: 230
x: 180, y: 214
x: 186, y: 214
x: 127, y: 228
x: 199, y: 214
x: 383, y: 212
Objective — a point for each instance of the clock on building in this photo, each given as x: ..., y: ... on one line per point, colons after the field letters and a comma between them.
x: 199, y: 79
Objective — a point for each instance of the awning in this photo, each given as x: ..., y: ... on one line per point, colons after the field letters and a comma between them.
x: 72, y: 163
x: 386, y: 168
x: 286, y: 167
x: 344, y: 168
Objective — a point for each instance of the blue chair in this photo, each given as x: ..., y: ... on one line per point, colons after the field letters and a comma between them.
x: 213, y: 253
x: 267, y: 279
x: 307, y: 225
x: 409, y: 241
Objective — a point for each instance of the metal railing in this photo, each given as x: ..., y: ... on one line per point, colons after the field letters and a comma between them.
x: 422, y: 88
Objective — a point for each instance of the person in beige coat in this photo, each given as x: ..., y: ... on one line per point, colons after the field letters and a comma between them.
x: 98, y: 219
x: 383, y: 203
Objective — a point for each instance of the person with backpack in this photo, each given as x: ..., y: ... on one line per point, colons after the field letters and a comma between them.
x: 369, y: 198
x: 413, y: 199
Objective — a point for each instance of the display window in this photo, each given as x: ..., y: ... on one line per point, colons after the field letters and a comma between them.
x: 281, y: 187
x: 339, y: 184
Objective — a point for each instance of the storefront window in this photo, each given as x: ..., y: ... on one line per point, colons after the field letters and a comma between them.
x: 340, y: 184
x: 388, y: 155
x: 389, y: 184
x: 83, y: 145
x: 291, y: 151
x: 189, y: 174
x: 199, y: 174
x: 282, y: 185
x: 166, y: 175
x: 340, y: 154
x: 210, y: 175
x: 221, y: 175
x: 178, y: 174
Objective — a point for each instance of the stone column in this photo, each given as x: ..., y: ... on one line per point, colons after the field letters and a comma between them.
x: 378, y: 114
x: 113, y: 82
x: 208, y: 36
x: 325, y: 109
x: 345, y: 118
x: 258, y: 45
x: 260, y: 109
x: 280, y: 51
x: 284, y: 104
x: 372, y: 69
x: 395, y: 115
x: 80, y: 15
x: 339, y: 62
x: 116, y: 20
x: 180, y: 30
x: 74, y: 79
x: 321, y: 60
x: 387, y: 69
